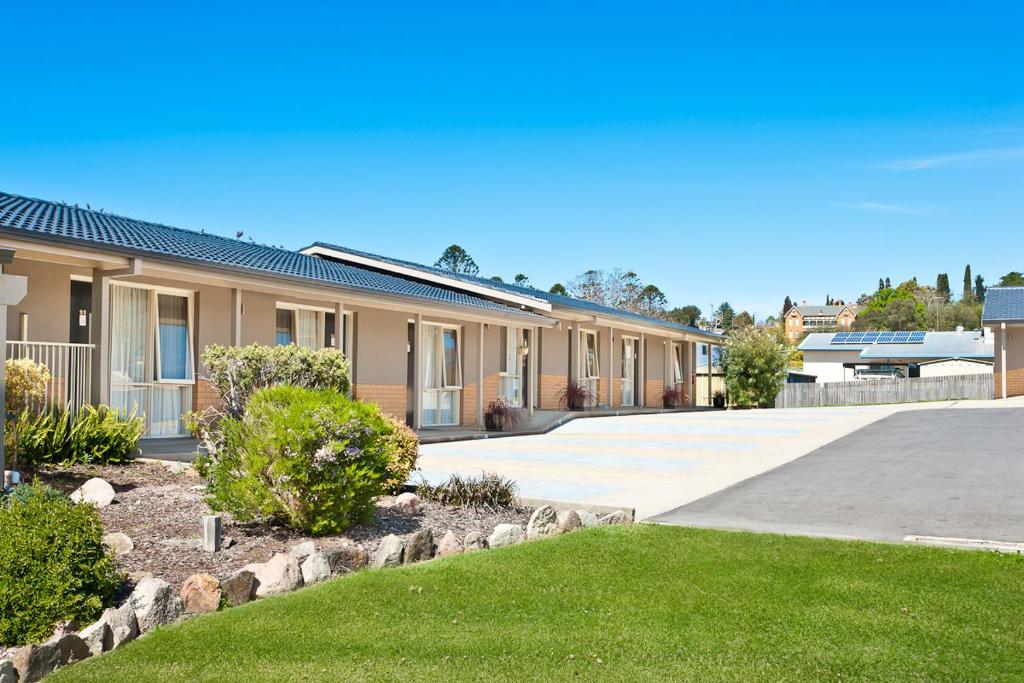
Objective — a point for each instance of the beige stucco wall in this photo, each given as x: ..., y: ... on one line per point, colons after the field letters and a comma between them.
x: 1014, y: 361
x: 47, y: 301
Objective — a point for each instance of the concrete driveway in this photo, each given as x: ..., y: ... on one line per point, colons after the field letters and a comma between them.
x: 653, y: 463
x: 951, y: 474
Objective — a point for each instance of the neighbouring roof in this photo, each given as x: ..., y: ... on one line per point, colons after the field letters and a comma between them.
x: 967, y: 344
x: 553, y: 299
x: 1003, y: 304
x: 72, y: 225
x: 821, y: 310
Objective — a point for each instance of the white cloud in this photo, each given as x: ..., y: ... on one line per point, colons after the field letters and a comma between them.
x: 959, y: 158
x: 877, y: 207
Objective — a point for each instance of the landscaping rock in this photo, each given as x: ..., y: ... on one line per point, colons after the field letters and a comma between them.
x: 119, y: 543
x: 543, y: 523
x: 474, y: 540
x: 617, y: 517
x: 200, y: 594
x: 96, y: 491
x: 419, y: 547
x: 345, y: 559
x: 390, y: 552
x: 137, y: 577
x: 33, y: 662
x: 98, y: 637
x: 315, y: 569
x: 569, y: 521
x: 7, y: 671
x: 587, y: 518
x: 505, y: 534
x: 449, y: 545
x: 408, y: 503
x: 303, y: 550
x: 124, y: 625
x: 281, y: 574
x: 239, y: 588
x: 155, y: 604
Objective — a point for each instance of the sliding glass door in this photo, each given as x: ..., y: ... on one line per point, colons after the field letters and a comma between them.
x: 512, y: 370
x: 630, y: 354
x: 442, y: 375
x: 590, y: 366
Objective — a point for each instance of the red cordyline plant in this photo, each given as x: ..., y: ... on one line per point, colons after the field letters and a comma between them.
x: 575, y: 396
x: 673, y: 397
x: 502, y: 416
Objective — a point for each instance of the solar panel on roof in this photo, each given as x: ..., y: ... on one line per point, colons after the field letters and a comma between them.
x: 870, y: 337
x: 885, y: 337
x: 916, y: 338
x: 900, y: 337
x: 855, y: 338
x: 840, y: 337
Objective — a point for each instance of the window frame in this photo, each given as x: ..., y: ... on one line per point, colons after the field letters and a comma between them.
x: 584, y: 357
x: 153, y: 330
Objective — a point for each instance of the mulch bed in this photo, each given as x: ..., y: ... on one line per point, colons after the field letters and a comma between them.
x: 162, y: 510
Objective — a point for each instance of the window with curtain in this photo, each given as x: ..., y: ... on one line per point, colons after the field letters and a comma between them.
x: 285, y: 327
x: 590, y: 364
x: 175, y: 357
x: 306, y: 334
x: 677, y: 363
x: 442, y: 366
x: 452, y: 367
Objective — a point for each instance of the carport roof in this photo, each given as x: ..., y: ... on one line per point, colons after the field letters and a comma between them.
x: 1003, y: 304
x: 970, y: 344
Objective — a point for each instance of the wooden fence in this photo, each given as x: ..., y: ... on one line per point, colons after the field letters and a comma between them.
x: 864, y: 392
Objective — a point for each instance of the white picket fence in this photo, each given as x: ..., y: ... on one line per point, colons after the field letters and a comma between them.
x: 865, y: 392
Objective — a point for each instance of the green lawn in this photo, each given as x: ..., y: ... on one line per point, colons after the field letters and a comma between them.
x: 619, y: 603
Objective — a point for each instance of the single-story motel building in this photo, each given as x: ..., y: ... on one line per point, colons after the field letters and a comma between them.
x: 121, y: 309
x: 850, y: 356
x: 1004, y: 313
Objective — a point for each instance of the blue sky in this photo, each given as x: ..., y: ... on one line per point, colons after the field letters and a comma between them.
x: 724, y: 151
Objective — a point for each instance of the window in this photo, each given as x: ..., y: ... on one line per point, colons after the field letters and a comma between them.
x: 591, y: 367
x: 442, y: 375
x: 510, y: 367
x: 677, y: 363
x: 174, y: 356
x: 304, y: 326
x: 285, y: 325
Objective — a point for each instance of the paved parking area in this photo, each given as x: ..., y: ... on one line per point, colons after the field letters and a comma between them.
x: 927, y: 472
x: 653, y: 463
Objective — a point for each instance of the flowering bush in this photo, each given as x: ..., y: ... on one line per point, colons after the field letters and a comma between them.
x: 308, y: 458
x: 25, y: 385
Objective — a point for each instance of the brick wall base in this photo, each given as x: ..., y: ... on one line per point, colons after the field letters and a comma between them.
x: 653, y: 389
x: 1014, y: 382
x: 390, y: 397
x: 548, y: 389
x: 204, y: 396
x: 469, y: 404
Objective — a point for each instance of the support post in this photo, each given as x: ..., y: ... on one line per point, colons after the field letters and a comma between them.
x: 236, y: 317
x: 711, y: 373
x: 574, y: 353
x: 1002, y: 359
x: 692, y: 353
x: 641, y: 388
x: 480, y: 375
x: 531, y: 368
x: 12, y: 291
x: 100, y: 329
x: 611, y: 364
x: 339, y: 327
x: 417, y: 372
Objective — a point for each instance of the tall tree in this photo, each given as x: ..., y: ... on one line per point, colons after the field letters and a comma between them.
x: 590, y: 286
x: 496, y: 278
x: 881, y: 284
x: 685, y: 315
x: 788, y: 304
x: 942, y: 286
x: 725, y: 315
x: 968, y: 284
x: 651, y: 301
x: 558, y: 288
x: 455, y: 259
x: 888, y: 285
x: 742, y: 319
x: 979, y: 288
x: 1012, y: 279
x: 522, y: 280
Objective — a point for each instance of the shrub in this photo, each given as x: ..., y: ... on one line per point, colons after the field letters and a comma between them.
x: 755, y: 367
x: 486, y: 491
x: 25, y: 385
x: 95, y: 436
x: 238, y: 372
x: 501, y: 415
x: 575, y: 396
x: 402, y: 455
x: 53, y: 564
x: 309, y: 458
x: 673, y: 397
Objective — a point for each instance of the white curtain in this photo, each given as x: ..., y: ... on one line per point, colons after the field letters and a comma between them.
x: 129, y: 341
x: 306, y: 329
x: 431, y: 376
x: 165, y: 419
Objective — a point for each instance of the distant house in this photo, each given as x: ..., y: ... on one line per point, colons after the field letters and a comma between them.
x: 849, y: 356
x: 1004, y: 311
x: 804, y: 318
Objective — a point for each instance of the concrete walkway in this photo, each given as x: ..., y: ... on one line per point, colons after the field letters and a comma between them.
x: 653, y: 463
x: 937, y: 473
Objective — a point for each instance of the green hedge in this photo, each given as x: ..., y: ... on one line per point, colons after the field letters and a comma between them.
x: 53, y: 566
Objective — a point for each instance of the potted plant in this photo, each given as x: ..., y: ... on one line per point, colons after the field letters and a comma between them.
x: 501, y: 416
x: 718, y: 399
x: 575, y: 396
x: 673, y: 397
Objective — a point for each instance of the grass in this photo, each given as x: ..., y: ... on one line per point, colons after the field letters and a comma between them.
x: 619, y: 603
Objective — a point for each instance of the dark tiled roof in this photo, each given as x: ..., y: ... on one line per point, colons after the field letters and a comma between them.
x: 553, y: 299
x: 829, y: 310
x: 71, y: 224
x: 1003, y: 304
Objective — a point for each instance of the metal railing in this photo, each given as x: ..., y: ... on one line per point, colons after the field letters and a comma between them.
x: 70, y: 367
x: 872, y: 391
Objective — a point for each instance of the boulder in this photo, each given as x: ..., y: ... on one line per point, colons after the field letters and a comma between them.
x: 280, y: 574
x: 569, y: 521
x: 315, y: 569
x: 95, y: 491
x: 543, y: 523
x: 124, y: 625
x: 118, y: 543
x: 616, y: 517
x: 587, y: 518
x: 505, y: 534
x: 33, y: 662
x: 303, y: 550
x: 474, y: 540
x: 419, y: 547
x: 345, y: 559
x: 98, y: 637
x: 239, y: 588
x: 408, y: 503
x: 200, y: 593
x: 449, y: 545
x: 7, y: 672
x: 155, y: 604
x: 390, y: 552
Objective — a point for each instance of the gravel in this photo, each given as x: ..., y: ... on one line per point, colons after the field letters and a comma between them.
x: 162, y: 512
